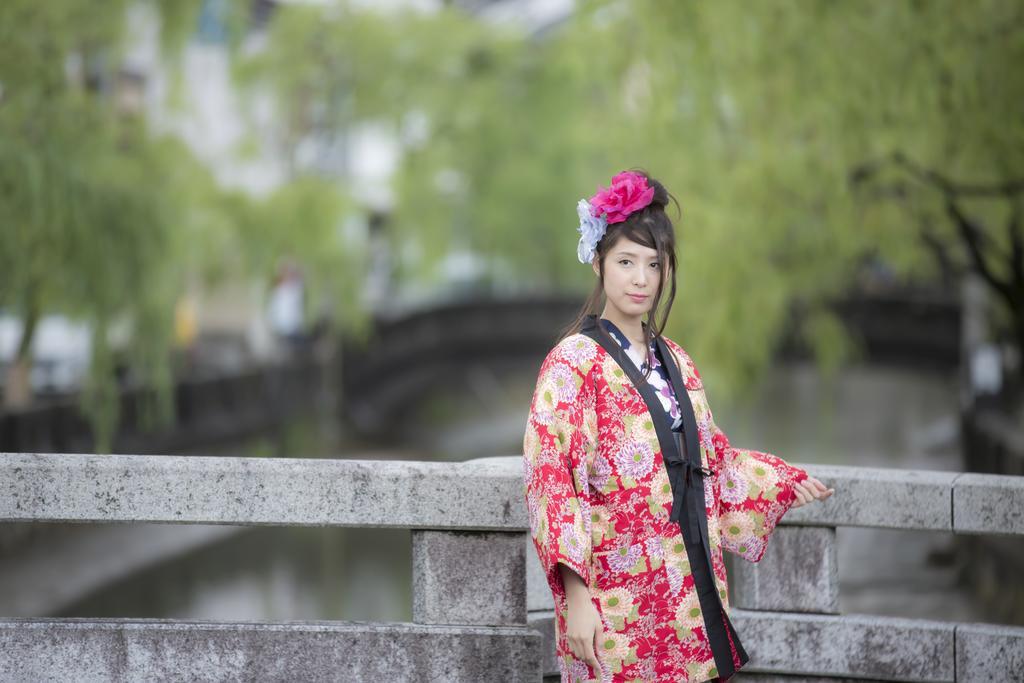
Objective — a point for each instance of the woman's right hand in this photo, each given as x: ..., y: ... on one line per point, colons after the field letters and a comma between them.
x: 583, y: 628
x: 810, y: 490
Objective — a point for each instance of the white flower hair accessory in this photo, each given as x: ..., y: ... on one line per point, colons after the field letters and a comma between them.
x: 591, y: 231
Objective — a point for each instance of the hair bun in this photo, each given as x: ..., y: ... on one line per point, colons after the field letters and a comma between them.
x: 661, y: 196
x: 660, y: 193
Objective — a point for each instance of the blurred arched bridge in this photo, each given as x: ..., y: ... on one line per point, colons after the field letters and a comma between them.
x: 409, y: 354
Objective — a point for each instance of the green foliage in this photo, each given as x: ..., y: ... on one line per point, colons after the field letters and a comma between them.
x: 301, y: 221
x: 105, y: 222
x: 756, y: 115
x: 94, y: 210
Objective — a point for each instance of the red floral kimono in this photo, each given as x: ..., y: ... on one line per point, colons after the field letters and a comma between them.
x: 643, y: 513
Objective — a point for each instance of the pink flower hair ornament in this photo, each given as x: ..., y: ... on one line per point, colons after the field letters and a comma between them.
x: 627, y: 193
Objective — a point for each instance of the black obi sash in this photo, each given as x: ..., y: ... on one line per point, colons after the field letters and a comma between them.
x: 681, y: 455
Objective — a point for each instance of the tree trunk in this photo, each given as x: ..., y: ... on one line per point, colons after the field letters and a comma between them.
x: 18, y: 381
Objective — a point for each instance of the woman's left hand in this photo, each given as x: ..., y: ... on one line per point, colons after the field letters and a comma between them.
x: 809, y: 490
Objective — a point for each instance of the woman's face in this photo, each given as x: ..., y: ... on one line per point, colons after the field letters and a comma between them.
x: 633, y: 274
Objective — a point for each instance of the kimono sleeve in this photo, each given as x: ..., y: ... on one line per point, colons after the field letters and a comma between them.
x: 560, y: 431
x: 756, y: 490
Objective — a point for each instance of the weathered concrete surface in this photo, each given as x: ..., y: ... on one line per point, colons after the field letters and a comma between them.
x: 879, y: 497
x: 543, y: 622
x: 819, y: 648
x: 144, y: 650
x: 484, y: 494
x: 281, y: 491
x: 878, y: 648
x: 798, y: 573
x: 989, y: 653
x: 988, y: 503
x: 468, y: 577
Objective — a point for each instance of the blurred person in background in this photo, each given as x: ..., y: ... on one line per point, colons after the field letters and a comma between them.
x: 286, y: 306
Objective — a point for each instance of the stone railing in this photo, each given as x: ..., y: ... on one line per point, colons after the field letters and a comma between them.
x: 481, y: 612
x: 788, y: 602
x: 469, y: 584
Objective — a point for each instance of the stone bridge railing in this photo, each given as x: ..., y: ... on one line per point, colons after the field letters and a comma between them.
x: 480, y: 610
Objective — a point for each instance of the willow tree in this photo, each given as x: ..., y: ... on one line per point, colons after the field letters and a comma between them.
x: 92, y: 207
x: 776, y: 124
x: 810, y: 134
x: 781, y: 126
x: 103, y: 221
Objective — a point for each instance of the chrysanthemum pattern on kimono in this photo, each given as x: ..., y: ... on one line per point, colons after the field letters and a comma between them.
x: 599, y: 498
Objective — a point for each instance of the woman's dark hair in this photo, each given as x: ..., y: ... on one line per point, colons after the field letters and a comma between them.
x: 652, y: 228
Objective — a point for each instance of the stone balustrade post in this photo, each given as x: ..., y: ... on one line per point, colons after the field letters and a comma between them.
x: 469, y: 577
x: 798, y: 573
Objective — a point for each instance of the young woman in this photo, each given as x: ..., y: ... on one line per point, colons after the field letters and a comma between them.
x: 632, y: 490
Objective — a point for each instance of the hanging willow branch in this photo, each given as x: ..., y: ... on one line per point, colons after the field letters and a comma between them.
x: 984, y: 254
